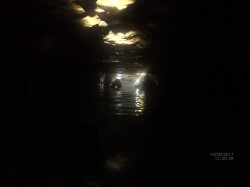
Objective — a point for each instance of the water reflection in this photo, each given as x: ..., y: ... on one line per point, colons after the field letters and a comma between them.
x: 119, y: 4
x: 127, y: 101
x: 128, y: 38
x: 139, y: 101
x: 92, y: 21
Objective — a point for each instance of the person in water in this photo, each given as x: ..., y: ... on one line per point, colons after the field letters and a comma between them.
x: 117, y: 83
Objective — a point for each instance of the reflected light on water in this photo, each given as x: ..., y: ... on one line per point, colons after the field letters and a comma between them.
x: 139, y: 101
x: 92, y: 21
x: 128, y: 38
x: 78, y: 9
x: 119, y: 4
x: 126, y: 101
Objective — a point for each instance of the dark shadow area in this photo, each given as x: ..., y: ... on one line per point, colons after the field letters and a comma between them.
x: 204, y: 87
x: 47, y: 78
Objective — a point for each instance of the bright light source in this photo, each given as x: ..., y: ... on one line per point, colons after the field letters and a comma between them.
x: 137, y: 81
x: 141, y: 75
x: 119, y: 76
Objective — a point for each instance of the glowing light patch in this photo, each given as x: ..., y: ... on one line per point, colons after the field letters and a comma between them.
x: 139, y: 102
x: 137, y: 81
x: 119, y: 4
x: 128, y: 38
x: 99, y: 10
x: 137, y: 91
x: 92, y: 21
x: 141, y: 74
x: 119, y: 76
x: 78, y: 9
